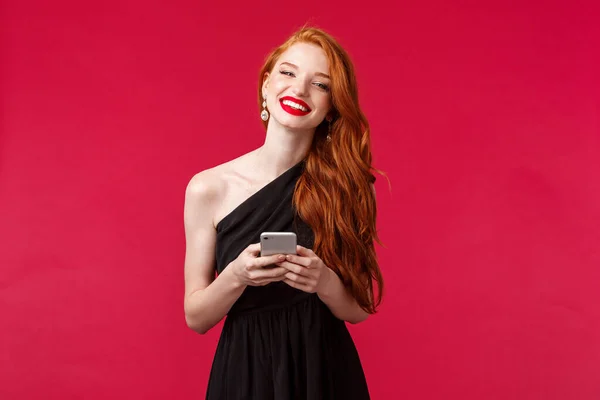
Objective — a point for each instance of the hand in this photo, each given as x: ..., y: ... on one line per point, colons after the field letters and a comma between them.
x: 249, y: 268
x: 305, y: 271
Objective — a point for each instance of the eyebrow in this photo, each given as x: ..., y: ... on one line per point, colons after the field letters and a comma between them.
x: 295, y: 66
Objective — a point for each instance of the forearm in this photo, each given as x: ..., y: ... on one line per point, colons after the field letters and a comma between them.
x: 341, y: 303
x: 205, y: 308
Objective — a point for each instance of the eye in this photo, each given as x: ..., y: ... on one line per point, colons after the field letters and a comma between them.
x: 322, y: 86
x: 288, y: 73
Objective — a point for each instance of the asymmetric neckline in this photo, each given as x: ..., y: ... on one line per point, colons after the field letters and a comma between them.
x: 249, y: 199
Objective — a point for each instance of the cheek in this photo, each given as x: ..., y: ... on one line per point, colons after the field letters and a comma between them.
x: 274, y: 90
x: 272, y: 100
x: 323, y: 103
x: 276, y: 85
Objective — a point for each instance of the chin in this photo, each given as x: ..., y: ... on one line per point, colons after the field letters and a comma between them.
x: 294, y: 123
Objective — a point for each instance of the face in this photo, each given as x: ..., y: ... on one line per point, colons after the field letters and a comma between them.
x: 298, y: 87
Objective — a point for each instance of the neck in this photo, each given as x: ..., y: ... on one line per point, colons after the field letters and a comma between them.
x: 283, y: 148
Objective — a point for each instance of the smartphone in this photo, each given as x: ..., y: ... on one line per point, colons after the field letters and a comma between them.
x: 277, y: 243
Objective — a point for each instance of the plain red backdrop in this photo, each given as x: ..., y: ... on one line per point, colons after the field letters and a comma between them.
x: 483, y: 114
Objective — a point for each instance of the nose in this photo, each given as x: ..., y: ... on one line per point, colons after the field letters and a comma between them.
x: 300, y: 87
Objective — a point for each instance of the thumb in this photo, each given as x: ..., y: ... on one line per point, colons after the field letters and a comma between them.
x: 253, y: 249
x: 304, y: 252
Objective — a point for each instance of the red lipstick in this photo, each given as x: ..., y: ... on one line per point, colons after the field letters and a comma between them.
x: 292, y: 110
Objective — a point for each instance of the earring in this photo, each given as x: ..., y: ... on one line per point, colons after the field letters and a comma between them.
x: 329, y: 130
x: 264, y: 115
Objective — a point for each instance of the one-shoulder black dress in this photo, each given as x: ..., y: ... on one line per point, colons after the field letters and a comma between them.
x: 279, y: 343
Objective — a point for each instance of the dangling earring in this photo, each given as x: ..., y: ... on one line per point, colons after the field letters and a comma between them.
x: 329, y: 130
x: 264, y: 115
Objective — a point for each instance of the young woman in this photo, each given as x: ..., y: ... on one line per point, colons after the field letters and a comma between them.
x: 285, y: 336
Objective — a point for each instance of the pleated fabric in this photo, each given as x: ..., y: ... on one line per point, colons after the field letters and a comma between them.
x: 279, y: 343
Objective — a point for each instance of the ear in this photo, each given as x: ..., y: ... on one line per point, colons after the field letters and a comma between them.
x: 265, y: 84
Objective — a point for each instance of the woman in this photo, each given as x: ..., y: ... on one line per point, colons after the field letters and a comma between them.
x: 285, y: 336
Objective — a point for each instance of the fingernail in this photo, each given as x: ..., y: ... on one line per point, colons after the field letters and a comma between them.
x: 281, y: 258
x: 288, y: 257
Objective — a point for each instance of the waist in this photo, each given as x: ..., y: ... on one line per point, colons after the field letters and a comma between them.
x: 268, y: 299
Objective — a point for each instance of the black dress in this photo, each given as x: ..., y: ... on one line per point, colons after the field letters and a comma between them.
x: 279, y: 343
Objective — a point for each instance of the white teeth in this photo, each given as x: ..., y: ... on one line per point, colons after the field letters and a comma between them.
x: 295, y: 105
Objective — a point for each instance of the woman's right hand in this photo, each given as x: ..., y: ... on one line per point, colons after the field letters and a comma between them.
x: 249, y: 268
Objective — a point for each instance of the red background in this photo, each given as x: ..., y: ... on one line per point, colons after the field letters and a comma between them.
x: 484, y: 116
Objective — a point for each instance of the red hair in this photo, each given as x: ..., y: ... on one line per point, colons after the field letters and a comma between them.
x: 334, y: 195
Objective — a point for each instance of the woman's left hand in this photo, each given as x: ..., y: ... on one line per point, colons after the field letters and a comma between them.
x: 307, y: 272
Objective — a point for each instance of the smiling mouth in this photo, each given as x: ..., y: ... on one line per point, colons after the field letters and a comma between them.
x: 297, y: 106
x: 294, y: 107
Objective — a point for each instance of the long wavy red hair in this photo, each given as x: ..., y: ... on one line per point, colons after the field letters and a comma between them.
x: 334, y: 195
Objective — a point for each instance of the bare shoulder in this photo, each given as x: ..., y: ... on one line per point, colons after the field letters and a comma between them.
x: 205, y: 185
x: 211, y: 180
x: 209, y: 188
x: 205, y: 190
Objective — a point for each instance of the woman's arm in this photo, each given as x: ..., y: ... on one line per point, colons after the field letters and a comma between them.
x: 339, y: 300
x: 341, y: 303
x: 307, y: 272
x: 207, y: 300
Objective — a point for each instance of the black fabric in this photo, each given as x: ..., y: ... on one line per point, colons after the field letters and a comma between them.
x: 279, y: 343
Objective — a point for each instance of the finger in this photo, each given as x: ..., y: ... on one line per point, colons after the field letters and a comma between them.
x: 264, y: 282
x: 261, y: 262
x: 295, y: 268
x: 253, y: 249
x: 300, y: 260
x: 271, y: 273
x: 297, y: 278
x: 264, y: 276
x: 298, y: 286
x: 305, y: 252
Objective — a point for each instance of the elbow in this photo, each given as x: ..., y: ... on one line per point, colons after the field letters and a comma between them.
x: 194, y: 318
x: 358, y: 319
x: 195, y: 325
